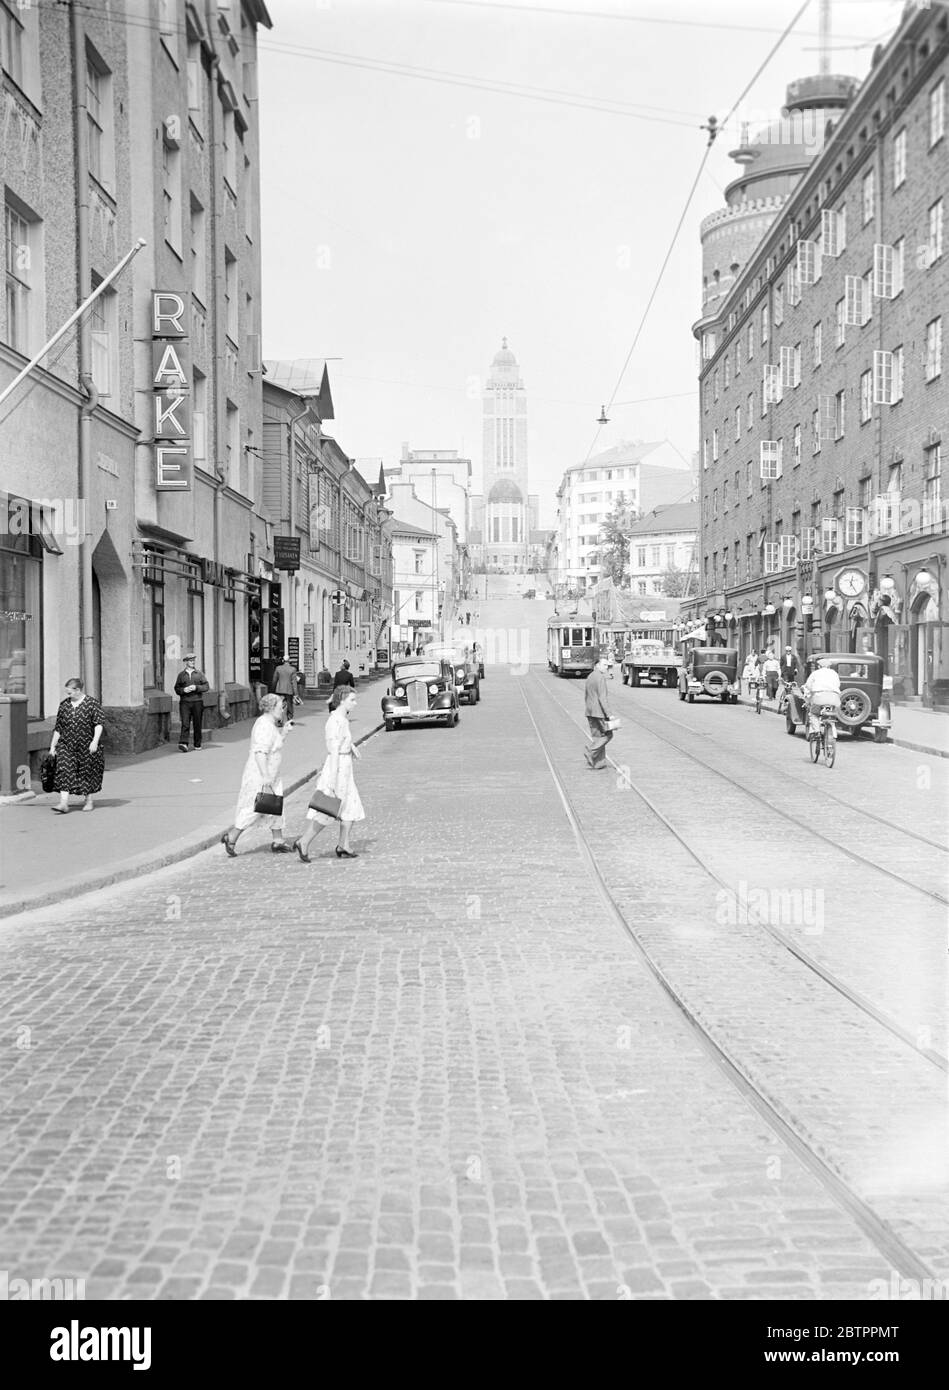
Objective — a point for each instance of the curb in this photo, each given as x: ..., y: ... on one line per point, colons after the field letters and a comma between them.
x: 894, y: 742
x: 173, y: 853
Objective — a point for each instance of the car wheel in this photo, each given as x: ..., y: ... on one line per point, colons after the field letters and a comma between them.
x: 789, y: 725
x: 854, y: 708
x: 691, y: 698
x: 389, y: 726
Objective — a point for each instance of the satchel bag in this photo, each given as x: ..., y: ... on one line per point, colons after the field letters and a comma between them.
x: 268, y: 804
x: 326, y: 805
x: 48, y: 772
x: 612, y: 724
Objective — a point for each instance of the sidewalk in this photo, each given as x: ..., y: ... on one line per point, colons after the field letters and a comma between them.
x: 154, y: 809
x: 922, y: 730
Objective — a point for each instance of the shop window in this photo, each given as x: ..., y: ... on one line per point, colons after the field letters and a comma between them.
x: 21, y: 629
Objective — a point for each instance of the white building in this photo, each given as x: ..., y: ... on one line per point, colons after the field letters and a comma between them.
x: 663, y: 541
x: 505, y: 514
x: 440, y: 478
x: 641, y: 475
x: 415, y: 602
x: 445, y: 574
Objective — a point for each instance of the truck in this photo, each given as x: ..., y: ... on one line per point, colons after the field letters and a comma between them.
x: 648, y: 659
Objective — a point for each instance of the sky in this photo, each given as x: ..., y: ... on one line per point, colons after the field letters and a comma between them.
x: 412, y: 218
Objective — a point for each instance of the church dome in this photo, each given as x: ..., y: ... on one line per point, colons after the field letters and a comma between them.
x: 505, y: 490
x: 504, y: 357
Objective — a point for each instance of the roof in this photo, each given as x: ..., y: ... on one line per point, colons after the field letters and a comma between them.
x: 505, y: 490
x: 405, y: 528
x: 678, y: 516
x: 303, y: 376
x: 620, y: 456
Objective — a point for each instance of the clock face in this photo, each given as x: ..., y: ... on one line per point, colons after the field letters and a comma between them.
x: 850, y: 583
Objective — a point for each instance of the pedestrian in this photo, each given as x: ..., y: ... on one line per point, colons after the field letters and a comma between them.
x: 771, y: 669
x: 190, y: 687
x: 344, y: 677
x: 598, y: 713
x: 77, y: 733
x: 262, y: 773
x: 284, y: 684
x: 467, y: 618
x: 336, y: 778
x: 749, y: 670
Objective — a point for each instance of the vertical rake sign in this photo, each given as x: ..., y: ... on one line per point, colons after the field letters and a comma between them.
x: 171, y: 379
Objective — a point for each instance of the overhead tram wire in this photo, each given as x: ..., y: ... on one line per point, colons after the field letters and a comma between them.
x: 713, y: 128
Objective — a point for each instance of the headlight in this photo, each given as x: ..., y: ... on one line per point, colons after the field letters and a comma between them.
x: 433, y: 690
x: 400, y: 690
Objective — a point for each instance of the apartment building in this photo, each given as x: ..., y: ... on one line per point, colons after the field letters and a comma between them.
x: 824, y: 406
x: 662, y: 551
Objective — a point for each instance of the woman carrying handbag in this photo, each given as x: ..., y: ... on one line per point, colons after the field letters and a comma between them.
x: 336, y: 781
x: 261, y: 792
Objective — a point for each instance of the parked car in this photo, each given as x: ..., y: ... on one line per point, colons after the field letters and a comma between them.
x: 710, y: 671
x: 467, y: 675
x: 861, y: 690
x: 421, y: 691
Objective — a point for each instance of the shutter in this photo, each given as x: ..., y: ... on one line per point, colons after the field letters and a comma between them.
x: 275, y: 472
x: 101, y: 363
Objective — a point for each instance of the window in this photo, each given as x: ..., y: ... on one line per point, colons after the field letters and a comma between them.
x: 738, y: 424
x: 724, y: 494
x: 738, y: 357
x: 749, y: 474
x: 751, y: 341
x: 778, y: 305
x: 854, y: 526
x: 419, y: 561
x: 840, y: 414
x: 815, y: 432
x: 932, y: 485
x: 171, y: 194
x: 808, y: 262
x: 232, y: 447
x: 195, y: 86
x: 866, y: 397
x: 933, y: 349
x: 897, y: 393
x: 833, y: 232
x: 865, y: 490
x: 715, y: 380
x: 198, y: 250
x: 641, y: 557
x: 771, y: 385
x: 104, y: 334
x: 199, y: 418
x: 11, y: 44
x: 883, y: 271
x: 749, y: 555
x: 19, y: 241
x: 899, y: 158
x: 816, y: 344
x: 714, y: 446
x: 869, y: 196
x: 770, y: 459
x: 230, y: 295
x: 895, y: 480
x: 750, y: 412
x: 856, y: 300
x: 168, y: 27
x: 881, y: 391
x: 899, y: 248
x: 840, y: 322
x: 654, y: 551
x: 937, y: 112
x: 99, y: 123
x: 934, y: 246
x: 727, y: 368
x: 229, y: 141
x: 794, y: 286
x: 797, y: 445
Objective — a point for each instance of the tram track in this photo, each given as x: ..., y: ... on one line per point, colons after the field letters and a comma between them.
x: 874, y: 1227
x: 942, y: 846
x: 851, y: 854
x: 853, y: 996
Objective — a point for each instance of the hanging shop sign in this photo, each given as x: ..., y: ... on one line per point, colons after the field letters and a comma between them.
x: 171, y: 383
x: 286, y: 552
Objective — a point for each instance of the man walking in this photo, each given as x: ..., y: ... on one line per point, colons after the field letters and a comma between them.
x: 771, y: 669
x: 285, y: 685
x: 190, y: 687
x: 598, y: 713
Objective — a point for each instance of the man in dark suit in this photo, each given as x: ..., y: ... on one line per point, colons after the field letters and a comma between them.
x: 190, y: 687
x: 344, y: 676
x: 597, y: 712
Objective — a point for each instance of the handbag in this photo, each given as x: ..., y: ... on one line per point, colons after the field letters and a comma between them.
x: 326, y: 805
x: 268, y: 804
x: 611, y: 724
x: 48, y: 772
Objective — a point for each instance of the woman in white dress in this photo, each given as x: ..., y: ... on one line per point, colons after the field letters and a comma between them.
x: 336, y: 777
x: 262, y: 773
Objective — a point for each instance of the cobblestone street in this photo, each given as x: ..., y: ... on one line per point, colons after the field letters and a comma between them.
x: 443, y: 1071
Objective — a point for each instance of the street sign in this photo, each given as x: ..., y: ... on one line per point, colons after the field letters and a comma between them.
x: 293, y: 651
x: 286, y: 552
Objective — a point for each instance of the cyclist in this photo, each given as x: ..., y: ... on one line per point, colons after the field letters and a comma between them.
x: 821, y: 688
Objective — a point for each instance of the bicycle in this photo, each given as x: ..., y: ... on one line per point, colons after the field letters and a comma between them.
x: 825, y: 740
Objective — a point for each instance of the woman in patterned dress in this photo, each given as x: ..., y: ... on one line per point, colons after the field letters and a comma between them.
x: 75, y: 746
x: 336, y: 777
x: 262, y: 773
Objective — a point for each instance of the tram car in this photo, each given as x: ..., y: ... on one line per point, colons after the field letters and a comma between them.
x: 571, y: 646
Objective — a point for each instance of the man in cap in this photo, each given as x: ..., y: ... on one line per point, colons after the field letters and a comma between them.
x: 190, y: 687
x: 597, y: 712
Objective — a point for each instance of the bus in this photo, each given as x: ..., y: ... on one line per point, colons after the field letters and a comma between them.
x: 571, y: 645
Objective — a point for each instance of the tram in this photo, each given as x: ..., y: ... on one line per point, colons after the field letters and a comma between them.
x: 571, y: 649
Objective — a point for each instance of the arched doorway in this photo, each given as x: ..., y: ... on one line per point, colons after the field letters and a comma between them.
x: 923, y: 617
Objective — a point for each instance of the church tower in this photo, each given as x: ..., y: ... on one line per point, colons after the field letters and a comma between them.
x: 507, y: 513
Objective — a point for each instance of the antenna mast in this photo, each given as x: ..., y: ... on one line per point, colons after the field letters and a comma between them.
x: 824, y: 63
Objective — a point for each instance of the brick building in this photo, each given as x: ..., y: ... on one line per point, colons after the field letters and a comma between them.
x: 823, y: 387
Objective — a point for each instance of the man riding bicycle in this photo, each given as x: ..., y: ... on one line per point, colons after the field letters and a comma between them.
x: 821, y: 688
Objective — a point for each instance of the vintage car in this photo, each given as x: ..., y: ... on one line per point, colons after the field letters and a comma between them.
x: 421, y: 691
x: 710, y: 671
x: 467, y: 676
x: 861, y: 690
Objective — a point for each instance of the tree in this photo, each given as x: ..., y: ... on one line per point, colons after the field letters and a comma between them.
x: 614, y: 535
x: 678, y: 583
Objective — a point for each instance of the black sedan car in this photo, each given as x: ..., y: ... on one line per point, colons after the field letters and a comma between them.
x: 861, y: 691
x: 421, y: 691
